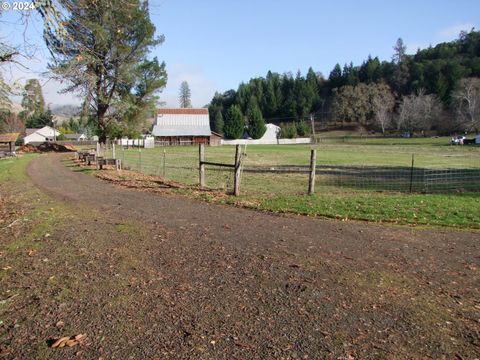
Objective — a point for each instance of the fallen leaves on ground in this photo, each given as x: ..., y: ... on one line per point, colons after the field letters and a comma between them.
x: 68, y: 341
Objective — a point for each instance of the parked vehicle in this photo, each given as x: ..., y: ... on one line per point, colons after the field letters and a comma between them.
x: 457, y: 140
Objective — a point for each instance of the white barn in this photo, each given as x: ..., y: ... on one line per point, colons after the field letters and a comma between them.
x: 46, y: 133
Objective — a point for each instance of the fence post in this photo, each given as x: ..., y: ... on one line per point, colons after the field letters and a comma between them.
x: 140, y: 159
x: 411, y: 172
x: 113, y: 150
x: 201, y: 165
x: 164, y: 162
x: 313, y: 164
x: 236, y: 179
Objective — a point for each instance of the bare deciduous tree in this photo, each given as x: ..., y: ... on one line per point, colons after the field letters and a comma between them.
x: 418, y: 112
x: 11, y: 123
x: 383, y: 103
x: 467, y: 104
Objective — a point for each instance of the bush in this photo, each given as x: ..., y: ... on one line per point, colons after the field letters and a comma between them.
x: 288, y: 131
x: 302, y: 128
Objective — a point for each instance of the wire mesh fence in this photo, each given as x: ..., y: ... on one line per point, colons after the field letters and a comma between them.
x: 266, y: 171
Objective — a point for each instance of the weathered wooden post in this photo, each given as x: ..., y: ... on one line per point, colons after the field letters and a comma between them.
x: 113, y: 150
x: 201, y: 165
x: 164, y: 162
x: 140, y: 159
x: 311, y: 179
x: 236, y: 180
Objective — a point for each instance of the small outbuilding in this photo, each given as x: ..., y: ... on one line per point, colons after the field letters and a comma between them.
x: 215, y: 139
x: 7, y: 143
x: 182, y: 126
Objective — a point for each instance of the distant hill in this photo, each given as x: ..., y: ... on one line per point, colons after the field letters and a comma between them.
x: 66, y: 110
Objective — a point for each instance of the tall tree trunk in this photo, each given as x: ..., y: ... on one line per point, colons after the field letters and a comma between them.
x: 102, y: 126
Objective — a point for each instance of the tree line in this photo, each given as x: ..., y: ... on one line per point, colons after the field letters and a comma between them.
x: 437, y: 89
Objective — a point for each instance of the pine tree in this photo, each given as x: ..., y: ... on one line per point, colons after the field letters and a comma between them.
x: 256, y: 124
x: 234, y: 123
x: 335, y: 77
x: 100, y: 50
x: 399, y: 51
x: 218, y: 122
x: 185, y: 95
x: 32, y: 101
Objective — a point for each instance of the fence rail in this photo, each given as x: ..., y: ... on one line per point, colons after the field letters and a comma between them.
x: 222, y: 171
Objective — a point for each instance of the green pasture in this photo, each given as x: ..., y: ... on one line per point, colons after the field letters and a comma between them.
x: 287, y: 192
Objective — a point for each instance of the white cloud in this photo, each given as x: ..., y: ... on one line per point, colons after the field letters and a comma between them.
x: 18, y: 74
x: 452, y: 32
x: 446, y: 34
x: 201, y: 88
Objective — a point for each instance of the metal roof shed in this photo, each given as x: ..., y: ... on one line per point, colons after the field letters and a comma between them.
x: 182, y: 125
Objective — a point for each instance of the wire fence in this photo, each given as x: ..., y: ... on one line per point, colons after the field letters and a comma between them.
x: 268, y: 173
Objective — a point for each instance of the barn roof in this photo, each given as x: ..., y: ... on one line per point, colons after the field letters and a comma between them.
x: 8, y: 137
x: 182, y: 122
x: 182, y: 111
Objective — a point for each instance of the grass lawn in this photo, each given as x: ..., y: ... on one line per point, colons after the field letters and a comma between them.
x: 286, y: 192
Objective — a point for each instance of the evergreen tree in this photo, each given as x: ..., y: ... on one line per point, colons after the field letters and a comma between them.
x: 399, y: 51
x: 313, y: 89
x: 335, y: 77
x: 256, y: 124
x: 100, y: 50
x: 270, y: 103
x: 234, y: 125
x: 32, y: 101
x: 38, y: 120
x: 185, y: 95
x: 218, y: 123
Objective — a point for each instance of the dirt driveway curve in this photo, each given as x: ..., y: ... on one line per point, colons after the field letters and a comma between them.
x: 243, y: 284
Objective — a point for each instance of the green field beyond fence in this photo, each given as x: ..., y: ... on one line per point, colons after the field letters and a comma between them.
x: 354, y: 177
x: 283, y: 168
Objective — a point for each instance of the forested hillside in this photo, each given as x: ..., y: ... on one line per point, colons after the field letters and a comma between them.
x: 437, y: 89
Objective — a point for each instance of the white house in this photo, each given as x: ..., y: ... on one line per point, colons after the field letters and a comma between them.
x: 46, y: 133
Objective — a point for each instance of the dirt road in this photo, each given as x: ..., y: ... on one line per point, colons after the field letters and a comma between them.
x: 169, y: 277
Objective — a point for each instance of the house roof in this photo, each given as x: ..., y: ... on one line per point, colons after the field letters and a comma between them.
x: 30, y: 131
x: 8, y: 137
x: 182, y: 122
x: 45, y: 131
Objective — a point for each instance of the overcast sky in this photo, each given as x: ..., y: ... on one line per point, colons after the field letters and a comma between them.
x: 214, y: 45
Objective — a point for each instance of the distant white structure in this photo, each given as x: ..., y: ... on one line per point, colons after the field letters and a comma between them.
x: 46, y: 133
x: 76, y: 137
x: 147, y: 142
x: 269, y: 138
x: 477, y: 139
x: 272, y: 133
